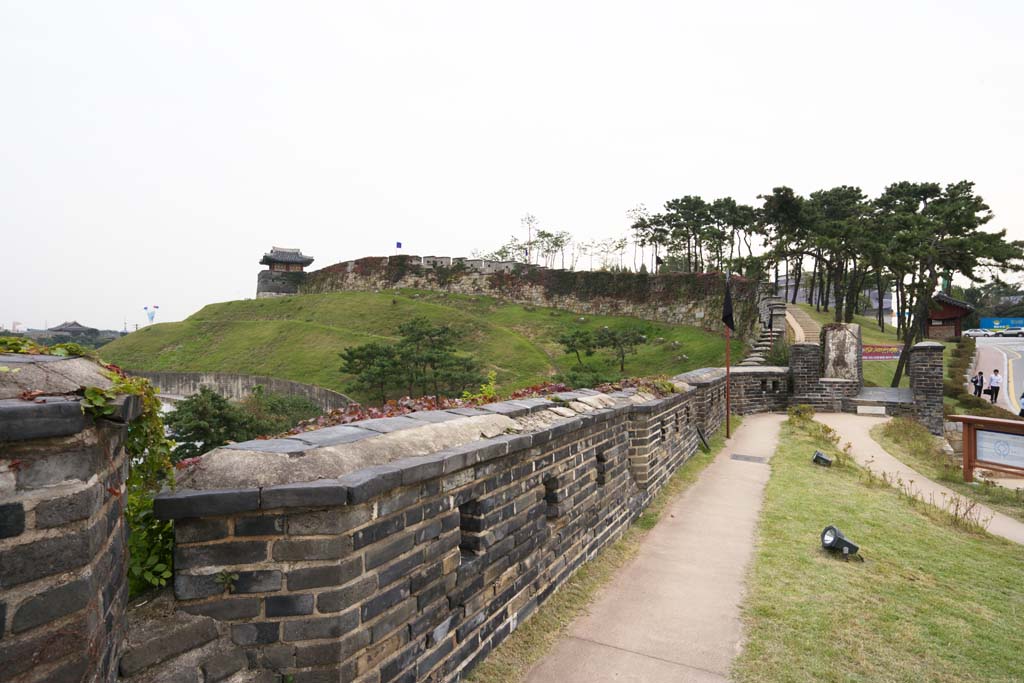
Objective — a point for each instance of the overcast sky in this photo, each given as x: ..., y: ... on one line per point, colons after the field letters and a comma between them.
x: 151, y: 152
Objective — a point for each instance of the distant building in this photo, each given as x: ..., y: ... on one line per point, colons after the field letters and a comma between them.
x: 72, y: 329
x: 285, y: 270
x: 945, y: 316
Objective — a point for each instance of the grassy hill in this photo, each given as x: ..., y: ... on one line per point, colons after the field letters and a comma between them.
x: 299, y: 337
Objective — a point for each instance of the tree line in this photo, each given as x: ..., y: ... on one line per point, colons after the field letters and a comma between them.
x: 835, y: 243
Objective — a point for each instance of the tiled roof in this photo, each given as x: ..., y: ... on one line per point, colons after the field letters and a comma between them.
x: 279, y: 255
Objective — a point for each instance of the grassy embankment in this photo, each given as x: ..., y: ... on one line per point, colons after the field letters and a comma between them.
x: 932, y: 602
x: 912, y: 445
x: 299, y: 338
x: 511, y: 661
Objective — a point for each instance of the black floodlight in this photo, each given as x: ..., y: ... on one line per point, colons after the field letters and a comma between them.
x: 832, y: 539
x: 821, y: 459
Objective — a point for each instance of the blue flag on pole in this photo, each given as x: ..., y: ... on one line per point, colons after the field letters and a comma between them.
x: 398, y: 245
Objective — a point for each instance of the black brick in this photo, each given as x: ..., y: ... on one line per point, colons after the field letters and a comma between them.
x: 259, y: 526
x: 367, y: 483
x: 238, y: 608
x: 314, y: 629
x: 390, y: 550
x: 325, y: 492
x: 30, y: 561
x: 343, y: 598
x: 257, y: 582
x: 197, y: 530
x: 289, y: 605
x: 61, y: 511
x: 262, y: 633
x: 312, y: 549
x: 217, y: 554
x: 12, y: 520
x: 399, y: 569
x: 384, y: 601
x: 377, y: 531
x: 332, y: 575
x: 53, y: 604
x: 184, y: 503
x: 193, y: 587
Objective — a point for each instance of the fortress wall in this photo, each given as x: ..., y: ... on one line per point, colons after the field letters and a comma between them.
x: 416, y: 569
x: 238, y: 387
x: 675, y: 298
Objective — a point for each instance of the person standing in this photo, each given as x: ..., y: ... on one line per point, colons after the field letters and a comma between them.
x: 994, y: 382
x: 978, y: 381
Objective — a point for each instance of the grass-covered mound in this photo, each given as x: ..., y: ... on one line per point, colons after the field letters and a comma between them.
x: 932, y: 602
x: 299, y: 338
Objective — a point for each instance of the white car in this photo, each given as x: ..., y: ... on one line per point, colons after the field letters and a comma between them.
x: 978, y: 332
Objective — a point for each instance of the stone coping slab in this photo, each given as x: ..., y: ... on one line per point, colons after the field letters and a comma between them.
x: 349, y: 464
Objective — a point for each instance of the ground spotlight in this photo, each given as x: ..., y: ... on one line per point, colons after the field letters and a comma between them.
x: 832, y: 539
x: 821, y: 459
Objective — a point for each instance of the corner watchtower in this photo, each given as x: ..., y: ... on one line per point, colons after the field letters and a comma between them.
x: 285, y: 271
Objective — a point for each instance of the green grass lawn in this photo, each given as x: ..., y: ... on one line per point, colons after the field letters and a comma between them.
x: 299, y: 338
x: 511, y: 661
x: 910, y: 443
x: 931, y: 602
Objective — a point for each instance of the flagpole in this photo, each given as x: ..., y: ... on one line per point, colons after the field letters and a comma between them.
x: 728, y: 406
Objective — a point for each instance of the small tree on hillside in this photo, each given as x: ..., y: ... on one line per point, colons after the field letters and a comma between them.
x: 205, y: 421
x: 578, y: 341
x: 621, y: 342
x: 375, y: 366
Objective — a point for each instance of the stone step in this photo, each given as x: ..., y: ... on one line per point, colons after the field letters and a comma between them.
x: 158, y: 632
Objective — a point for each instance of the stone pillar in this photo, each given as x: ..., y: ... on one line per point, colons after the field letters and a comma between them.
x: 63, y: 573
x: 805, y: 364
x: 926, y: 384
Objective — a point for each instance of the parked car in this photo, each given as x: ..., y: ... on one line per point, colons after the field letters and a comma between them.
x: 1010, y: 332
x: 977, y: 332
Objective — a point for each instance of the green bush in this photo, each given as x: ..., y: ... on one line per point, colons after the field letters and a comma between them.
x: 778, y: 354
x: 952, y: 388
x: 586, y: 376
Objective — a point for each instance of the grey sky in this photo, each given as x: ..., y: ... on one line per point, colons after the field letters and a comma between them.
x: 151, y: 152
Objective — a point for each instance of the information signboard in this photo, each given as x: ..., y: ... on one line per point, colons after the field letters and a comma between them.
x: 882, y: 351
x: 999, y: 448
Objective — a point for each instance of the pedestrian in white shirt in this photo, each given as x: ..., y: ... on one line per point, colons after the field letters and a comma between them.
x: 994, y: 382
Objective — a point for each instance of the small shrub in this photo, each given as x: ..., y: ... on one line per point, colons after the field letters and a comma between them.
x: 800, y: 412
x: 778, y: 354
x: 952, y: 388
x: 586, y: 376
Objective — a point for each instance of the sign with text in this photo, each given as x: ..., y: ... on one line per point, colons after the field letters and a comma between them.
x: 999, y: 448
x: 1001, y: 323
x: 882, y: 351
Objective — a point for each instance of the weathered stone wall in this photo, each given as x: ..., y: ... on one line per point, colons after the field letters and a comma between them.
x: 669, y: 300
x: 415, y: 569
x: 926, y: 383
x: 271, y: 283
x: 63, y: 573
x: 238, y: 387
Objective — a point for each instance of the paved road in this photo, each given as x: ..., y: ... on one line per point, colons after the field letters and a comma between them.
x: 1007, y: 354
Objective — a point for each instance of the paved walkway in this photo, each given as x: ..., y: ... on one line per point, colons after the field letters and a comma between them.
x: 673, y: 613
x: 856, y: 429
x: 809, y: 329
x: 987, y: 359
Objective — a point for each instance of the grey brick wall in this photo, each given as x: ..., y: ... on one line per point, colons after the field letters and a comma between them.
x: 422, y: 577
x: 63, y: 571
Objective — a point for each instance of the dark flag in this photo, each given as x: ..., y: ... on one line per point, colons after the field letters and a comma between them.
x: 727, y: 308
x: 658, y: 260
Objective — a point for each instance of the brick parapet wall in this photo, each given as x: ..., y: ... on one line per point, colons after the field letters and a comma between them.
x: 759, y: 389
x: 63, y: 560
x: 416, y: 569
